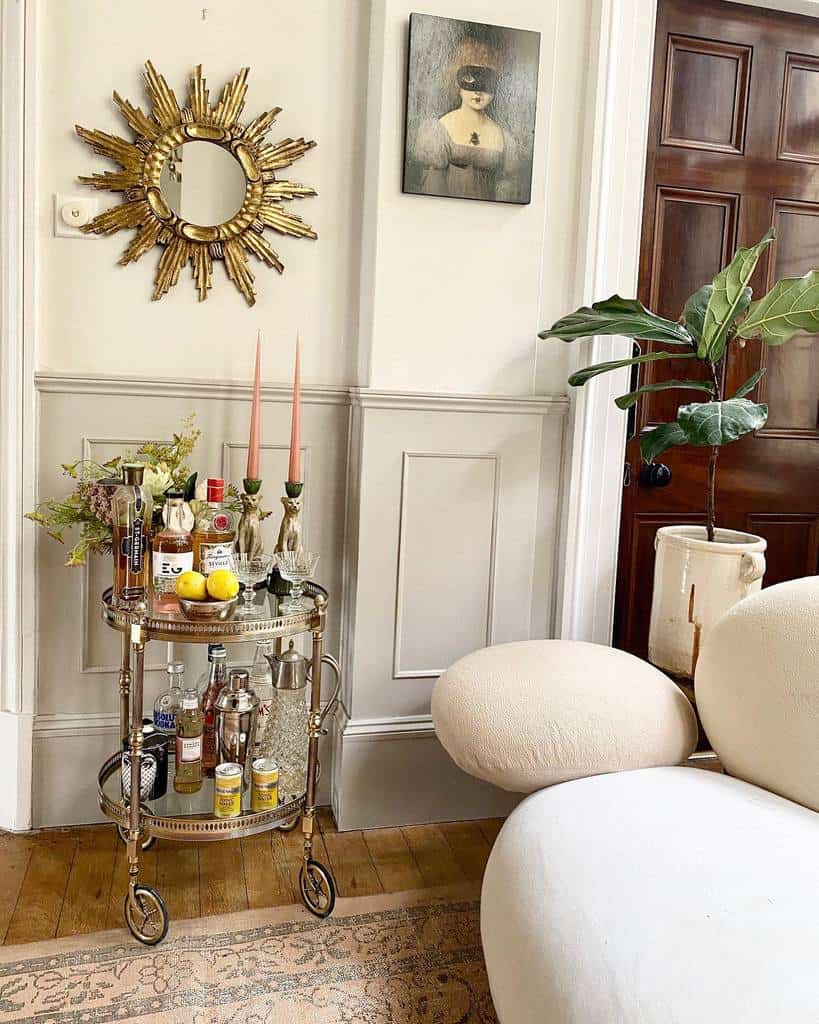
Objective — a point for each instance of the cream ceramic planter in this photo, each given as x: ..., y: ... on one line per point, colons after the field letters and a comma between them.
x: 695, y: 583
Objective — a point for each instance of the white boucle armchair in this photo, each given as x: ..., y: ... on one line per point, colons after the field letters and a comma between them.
x: 627, y: 889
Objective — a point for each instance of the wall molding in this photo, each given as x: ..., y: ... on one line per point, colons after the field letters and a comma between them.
x: 405, y: 673
x: 543, y: 405
x: 400, y: 727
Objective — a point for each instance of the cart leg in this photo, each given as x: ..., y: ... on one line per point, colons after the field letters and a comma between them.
x: 124, y: 688
x: 318, y: 890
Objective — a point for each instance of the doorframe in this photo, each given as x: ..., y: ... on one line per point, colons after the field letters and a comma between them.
x: 622, y: 51
x: 17, y: 410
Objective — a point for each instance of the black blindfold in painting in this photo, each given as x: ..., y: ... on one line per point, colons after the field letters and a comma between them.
x: 471, y: 101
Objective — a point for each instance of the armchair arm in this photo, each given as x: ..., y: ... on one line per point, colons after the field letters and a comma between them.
x: 528, y: 715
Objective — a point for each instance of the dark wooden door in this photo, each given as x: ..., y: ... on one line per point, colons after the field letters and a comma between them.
x: 733, y: 149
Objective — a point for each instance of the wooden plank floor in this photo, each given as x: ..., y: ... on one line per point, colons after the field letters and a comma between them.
x: 71, y: 881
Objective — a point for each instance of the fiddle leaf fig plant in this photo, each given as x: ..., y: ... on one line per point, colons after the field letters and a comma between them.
x: 713, y: 318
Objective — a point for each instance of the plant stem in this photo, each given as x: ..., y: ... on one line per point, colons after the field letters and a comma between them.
x: 711, y: 486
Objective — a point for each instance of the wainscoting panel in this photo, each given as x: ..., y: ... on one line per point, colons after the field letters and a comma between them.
x: 75, y: 725
x: 451, y: 545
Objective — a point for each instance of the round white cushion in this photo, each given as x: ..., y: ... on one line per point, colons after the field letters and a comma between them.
x: 667, y: 896
x: 531, y: 714
x: 757, y: 689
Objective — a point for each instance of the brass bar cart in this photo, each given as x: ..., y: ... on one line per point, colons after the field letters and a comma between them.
x: 189, y: 817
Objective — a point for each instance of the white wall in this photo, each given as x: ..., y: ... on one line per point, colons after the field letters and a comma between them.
x: 369, y: 314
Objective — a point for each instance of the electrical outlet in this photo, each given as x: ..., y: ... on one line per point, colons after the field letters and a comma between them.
x: 71, y: 213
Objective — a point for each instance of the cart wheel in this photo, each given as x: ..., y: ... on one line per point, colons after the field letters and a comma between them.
x: 290, y: 823
x: 318, y: 890
x: 146, y: 915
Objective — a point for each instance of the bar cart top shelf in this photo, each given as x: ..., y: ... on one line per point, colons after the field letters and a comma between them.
x: 265, y: 623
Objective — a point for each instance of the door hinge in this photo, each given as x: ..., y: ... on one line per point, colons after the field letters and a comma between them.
x: 626, y: 474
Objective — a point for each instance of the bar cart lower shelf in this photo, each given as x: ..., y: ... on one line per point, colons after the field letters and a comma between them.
x: 188, y: 817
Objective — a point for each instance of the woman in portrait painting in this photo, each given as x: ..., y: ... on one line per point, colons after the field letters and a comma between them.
x: 467, y: 153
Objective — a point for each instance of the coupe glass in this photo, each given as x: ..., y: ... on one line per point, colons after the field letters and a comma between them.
x: 296, y: 567
x: 249, y: 572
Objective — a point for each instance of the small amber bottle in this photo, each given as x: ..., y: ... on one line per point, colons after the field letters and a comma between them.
x: 189, y: 724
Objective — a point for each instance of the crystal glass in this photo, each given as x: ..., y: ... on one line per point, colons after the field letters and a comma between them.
x: 249, y: 572
x: 296, y: 567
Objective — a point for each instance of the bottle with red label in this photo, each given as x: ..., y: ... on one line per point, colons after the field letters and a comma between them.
x: 214, y: 535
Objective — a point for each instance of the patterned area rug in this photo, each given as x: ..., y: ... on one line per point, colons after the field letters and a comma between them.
x: 407, y: 957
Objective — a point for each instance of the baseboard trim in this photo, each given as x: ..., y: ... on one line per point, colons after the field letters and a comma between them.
x: 15, y: 764
x: 394, y: 771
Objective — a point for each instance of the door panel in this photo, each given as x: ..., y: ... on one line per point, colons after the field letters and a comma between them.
x: 733, y: 148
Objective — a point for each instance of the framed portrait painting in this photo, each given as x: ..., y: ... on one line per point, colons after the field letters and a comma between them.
x: 471, y: 104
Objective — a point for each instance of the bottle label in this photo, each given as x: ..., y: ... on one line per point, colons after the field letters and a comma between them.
x: 221, y: 522
x: 215, y: 556
x: 165, y: 720
x: 167, y: 566
x: 188, y: 748
x: 137, y: 547
x: 261, y: 724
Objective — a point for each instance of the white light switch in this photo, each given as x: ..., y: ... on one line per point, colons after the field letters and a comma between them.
x: 71, y: 213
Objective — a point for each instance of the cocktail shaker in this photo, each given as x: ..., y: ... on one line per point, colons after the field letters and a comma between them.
x: 236, y: 713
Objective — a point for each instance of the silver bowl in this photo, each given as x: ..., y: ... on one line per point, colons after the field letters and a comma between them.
x: 208, y: 611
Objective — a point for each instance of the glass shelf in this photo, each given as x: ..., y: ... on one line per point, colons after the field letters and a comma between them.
x: 190, y: 815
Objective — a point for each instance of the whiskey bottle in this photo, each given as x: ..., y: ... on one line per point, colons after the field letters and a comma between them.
x: 215, y: 679
x: 214, y: 534
x: 131, y: 511
x: 189, y: 722
x: 172, y: 552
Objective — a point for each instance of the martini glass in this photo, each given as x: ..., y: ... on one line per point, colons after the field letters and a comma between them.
x: 296, y: 567
x: 249, y: 572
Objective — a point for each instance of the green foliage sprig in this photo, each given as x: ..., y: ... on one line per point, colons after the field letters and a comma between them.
x: 713, y: 318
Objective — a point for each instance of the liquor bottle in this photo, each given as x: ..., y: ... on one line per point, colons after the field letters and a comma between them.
x: 214, y: 534
x: 168, y: 704
x: 261, y: 682
x: 131, y: 511
x: 214, y: 679
x: 172, y: 551
x: 189, y: 722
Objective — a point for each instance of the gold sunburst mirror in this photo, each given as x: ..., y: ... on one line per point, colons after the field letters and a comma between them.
x: 189, y: 167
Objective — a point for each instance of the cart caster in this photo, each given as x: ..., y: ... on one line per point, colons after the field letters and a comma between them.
x: 318, y: 890
x: 290, y: 823
x: 146, y: 915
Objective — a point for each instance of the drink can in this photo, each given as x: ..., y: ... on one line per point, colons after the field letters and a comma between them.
x: 227, y: 791
x: 264, y: 794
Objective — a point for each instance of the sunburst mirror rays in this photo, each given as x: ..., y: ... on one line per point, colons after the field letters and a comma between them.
x: 189, y: 167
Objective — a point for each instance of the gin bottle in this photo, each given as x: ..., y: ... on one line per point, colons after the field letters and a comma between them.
x: 172, y: 551
x: 261, y: 682
x: 167, y: 704
x: 188, y: 775
x: 215, y: 532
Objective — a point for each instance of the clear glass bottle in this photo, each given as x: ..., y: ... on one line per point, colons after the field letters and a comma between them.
x: 169, y: 702
x: 214, y: 534
x: 189, y: 724
x: 172, y: 551
x: 211, y: 686
x: 131, y: 513
x: 261, y: 682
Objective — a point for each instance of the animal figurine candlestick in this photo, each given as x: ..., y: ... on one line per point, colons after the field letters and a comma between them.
x: 249, y: 539
x: 289, y: 533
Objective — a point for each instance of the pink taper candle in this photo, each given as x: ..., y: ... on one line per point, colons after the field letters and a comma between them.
x: 294, y: 473
x: 253, y: 443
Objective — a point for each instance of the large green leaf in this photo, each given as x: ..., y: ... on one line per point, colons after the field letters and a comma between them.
x: 790, y: 307
x: 616, y: 316
x: 715, y: 423
x: 730, y: 297
x: 577, y: 380
x: 750, y: 383
x: 654, y: 442
x: 694, y: 310
x: 626, y: 401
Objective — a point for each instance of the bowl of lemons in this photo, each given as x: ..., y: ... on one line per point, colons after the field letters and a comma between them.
x: 210, y: 598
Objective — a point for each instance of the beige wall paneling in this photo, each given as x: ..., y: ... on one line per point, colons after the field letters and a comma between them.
x: 455, y: 534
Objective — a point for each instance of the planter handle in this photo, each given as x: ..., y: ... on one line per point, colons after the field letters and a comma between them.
x: 752, y: 567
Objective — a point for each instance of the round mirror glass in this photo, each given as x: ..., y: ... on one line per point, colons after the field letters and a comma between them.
x: 203, y: 183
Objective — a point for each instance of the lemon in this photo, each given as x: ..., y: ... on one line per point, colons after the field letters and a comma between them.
x: 191, y: 586
x: 222, y: 585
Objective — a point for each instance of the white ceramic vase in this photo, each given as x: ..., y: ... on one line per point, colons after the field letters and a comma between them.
x: 695, y: 583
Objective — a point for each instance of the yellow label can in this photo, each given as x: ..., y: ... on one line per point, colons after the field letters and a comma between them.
x: 227, y: 791
x: 264, y: 794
